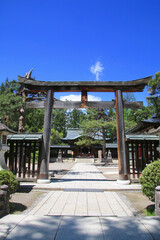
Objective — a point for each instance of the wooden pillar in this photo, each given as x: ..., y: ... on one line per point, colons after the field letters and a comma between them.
x: 84, y: 96
x: 122, y: 158
x: 45, y: 154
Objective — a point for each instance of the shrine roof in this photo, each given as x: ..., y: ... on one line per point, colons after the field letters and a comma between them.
x: 142, y: 137
x: 25, y: 137
x: 146, y: 125
x: 89, y: 86
x: 153, y: 120
x: 3, y: 127
x: 75, y: 133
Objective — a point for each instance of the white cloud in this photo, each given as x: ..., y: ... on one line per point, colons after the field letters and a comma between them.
x: 93, y: 98
x: 73, y: 97
x: 97, y: 69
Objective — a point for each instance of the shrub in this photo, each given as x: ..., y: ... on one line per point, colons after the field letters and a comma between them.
x: 150, y: 179
x: 8, y: 178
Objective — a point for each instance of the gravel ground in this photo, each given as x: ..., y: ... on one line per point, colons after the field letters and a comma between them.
x: 137, y: 202
x: 24, y: 200
x: 58, y: 169
x: 110, y: 172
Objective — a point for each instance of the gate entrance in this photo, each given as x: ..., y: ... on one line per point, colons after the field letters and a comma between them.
x: 28, y: 85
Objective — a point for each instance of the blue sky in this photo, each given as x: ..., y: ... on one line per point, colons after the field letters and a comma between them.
x: 63, y: 39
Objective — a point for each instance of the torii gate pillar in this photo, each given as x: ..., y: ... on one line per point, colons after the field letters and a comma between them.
x: 122, y: 158
x: 45, y: 154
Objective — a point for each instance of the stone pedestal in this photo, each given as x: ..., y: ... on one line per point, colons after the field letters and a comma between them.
x: 2, y: 158
x: 123, y: 182
x: 4, y: 200
x: 157, y: 201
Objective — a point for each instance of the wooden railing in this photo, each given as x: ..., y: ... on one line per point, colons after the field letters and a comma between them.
x: 23, y: 158
x: 141, y: 153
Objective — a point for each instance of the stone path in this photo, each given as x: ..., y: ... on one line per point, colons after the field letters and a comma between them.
x: 82, y: 204
x: 82, y: 195
x: 80, y: 210
x: 84, y: 177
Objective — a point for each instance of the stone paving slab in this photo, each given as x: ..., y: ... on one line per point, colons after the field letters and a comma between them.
x: 66, y: 203
x: 81, y: 228
x: 82, y: 177
x: 85, y: 212
x: 8, y: 223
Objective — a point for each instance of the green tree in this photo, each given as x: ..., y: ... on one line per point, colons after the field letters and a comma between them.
x: 34, y: 120
x: 154, y: 91
x: 59, y: 120
x: 75, y: 118
x: 56, y: 137
x: 10, y: 103
x: 129, y: 123
x: 137, y: 115
x: 97, y: 125
x: 134, y: 116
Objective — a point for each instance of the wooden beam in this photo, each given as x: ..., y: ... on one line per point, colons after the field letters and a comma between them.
x: 79, y: 86
x: 71, y: 104
x: 133, y: 105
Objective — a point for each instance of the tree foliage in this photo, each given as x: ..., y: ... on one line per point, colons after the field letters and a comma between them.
x: 150, y: 179
x: 97, y: 125
x: 75, y: 118
x: 9, y: 179
x: 10, y: 103
x: 34, y: 120
x: 154, y: 91
x: 59, y: 120
x: 56, y: 137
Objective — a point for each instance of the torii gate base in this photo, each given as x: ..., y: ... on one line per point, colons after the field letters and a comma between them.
x: 32, y: 86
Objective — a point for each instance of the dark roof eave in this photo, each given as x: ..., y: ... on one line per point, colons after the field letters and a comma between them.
x: 90, y: 86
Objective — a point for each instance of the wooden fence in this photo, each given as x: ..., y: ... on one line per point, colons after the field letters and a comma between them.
x: 141, y: 153
x: 23, y: 158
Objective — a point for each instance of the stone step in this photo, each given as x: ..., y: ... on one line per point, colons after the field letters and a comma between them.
x: 84, y: 160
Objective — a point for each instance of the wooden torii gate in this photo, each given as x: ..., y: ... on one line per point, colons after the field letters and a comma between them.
x: 34, y: 86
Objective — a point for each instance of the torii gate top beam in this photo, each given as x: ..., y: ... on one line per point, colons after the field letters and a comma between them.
x: 80, y: 86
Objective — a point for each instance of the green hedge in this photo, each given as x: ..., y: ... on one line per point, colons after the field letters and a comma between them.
x: 8, y: 178
x: 150, y: 179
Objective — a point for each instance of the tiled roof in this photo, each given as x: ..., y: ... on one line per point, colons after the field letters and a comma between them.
x: 73, y: 134
x: 142, y: 137
x: 153, y: 120
x: 26, y: 136
x: 5, y: 128
x: 146, y: 125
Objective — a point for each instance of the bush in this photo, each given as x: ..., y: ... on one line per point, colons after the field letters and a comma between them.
x: 150, y: 179
x: 8, y: 178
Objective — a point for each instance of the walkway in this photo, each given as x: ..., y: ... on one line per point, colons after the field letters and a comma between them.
x: 80, y: 209
x: 84, y: 177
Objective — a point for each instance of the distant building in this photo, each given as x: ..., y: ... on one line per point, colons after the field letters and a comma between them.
x: 146, y: 126
x: 143, y: 144
x: 4, y: 132
x: 71, y: 149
